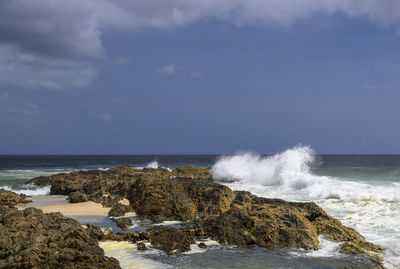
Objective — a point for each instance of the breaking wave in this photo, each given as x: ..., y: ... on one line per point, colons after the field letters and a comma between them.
x: 29, y: 190
x: 290, y: 171
x: 153, y: 164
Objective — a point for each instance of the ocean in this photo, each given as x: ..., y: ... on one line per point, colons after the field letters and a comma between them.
x: 362, y: 191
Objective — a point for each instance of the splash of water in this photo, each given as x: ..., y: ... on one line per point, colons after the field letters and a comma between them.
x: 153, y: 164
x: 290, y: 167
x: 290, y: 171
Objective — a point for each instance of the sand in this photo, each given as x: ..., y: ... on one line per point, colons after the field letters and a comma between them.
x: 78, y: 209
x: 58, y: 203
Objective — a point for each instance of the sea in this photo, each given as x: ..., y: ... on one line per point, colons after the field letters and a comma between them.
x: 362, y: 191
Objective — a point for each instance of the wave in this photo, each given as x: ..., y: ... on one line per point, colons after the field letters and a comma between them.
x: 153, y: 164
x: 30, y: 190
x: 290, y: 172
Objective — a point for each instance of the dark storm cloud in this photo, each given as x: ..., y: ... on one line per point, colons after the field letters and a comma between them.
x: 65, y: 35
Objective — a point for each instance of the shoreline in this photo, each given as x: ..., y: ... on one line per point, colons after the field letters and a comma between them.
x: 208, y: 208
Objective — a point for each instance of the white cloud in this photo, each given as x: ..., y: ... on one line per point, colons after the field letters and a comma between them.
x: 35, y: 71
x: 168, y: 69
x: 72, y: 29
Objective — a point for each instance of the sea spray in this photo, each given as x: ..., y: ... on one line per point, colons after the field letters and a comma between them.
x: 153, y: 164
x: 290, y: 171
x: 278, y: 169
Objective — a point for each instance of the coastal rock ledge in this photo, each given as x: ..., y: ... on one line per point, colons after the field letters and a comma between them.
x: 208, y: 209
x: 31, y: 239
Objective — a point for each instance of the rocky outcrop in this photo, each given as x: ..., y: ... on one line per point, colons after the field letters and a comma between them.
x: 119, y: 210
x: 77, y: 197
x: 272, y: 223
x: 9, y: 198
x: 123, y: 223
x: 110, y: 186
x: 172, y: 241
x: 213, y: 210
x: 31, y: 239
x: 178, y: 199
x: 192, y: 172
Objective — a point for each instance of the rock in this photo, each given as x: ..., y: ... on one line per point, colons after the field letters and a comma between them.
x: 360, y: 248
x: 214, y: 210
x: 31, y: 239
x: 271, y: 223
x: 202, y: 245
x: 119, y: 210
x: 9, y: 198
x: 124, y: 223
x: 110, y: 186
x: 181, y: 199
x: 141, y: 246
x: 258, y: 221
x: 77, y: 197
x: 95, y: 232
x: 191, y: 172
x: 172, y: 241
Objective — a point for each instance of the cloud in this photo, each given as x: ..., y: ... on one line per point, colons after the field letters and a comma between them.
x: 67, y: 33
x: 17, y: 111
x: 168, y: 69
x: 29, y: 70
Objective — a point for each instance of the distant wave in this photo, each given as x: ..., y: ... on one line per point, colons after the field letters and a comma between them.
x: 31, y: 190
x: 290, y: 171
x: 153, y: 164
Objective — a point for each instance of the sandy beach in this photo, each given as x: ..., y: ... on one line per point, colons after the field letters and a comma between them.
x: 58, y: 203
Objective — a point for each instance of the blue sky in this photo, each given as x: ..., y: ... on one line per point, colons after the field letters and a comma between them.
x: 174, y: 77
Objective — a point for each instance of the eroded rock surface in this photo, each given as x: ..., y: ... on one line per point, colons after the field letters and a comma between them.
x: 123, y: 223
x: 179, y: 198
x: 9, y: 198
x: 111, y: 186
x: 31, y: 239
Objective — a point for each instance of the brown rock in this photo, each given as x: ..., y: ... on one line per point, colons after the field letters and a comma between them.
x: 141, y: 246
x: 77, y: 197
x: 9, y: 198
x: 172, y: 241
x: 179, y: 199
x: 123, y: 223
x: 191, y: 172
x: 31, y: 239
x: 119, y: 210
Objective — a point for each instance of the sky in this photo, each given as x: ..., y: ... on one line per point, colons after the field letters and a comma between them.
x: 199, y: 77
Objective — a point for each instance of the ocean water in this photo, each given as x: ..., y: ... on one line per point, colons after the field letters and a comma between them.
x: 363, y: 191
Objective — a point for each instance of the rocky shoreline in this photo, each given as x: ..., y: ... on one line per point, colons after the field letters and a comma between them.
x: 184, y: 194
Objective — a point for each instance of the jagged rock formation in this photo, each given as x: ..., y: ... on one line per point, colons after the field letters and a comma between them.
x: 9, y: 198
x: 31, y: 239
x: 123, y: 223
x: 213, y: 210
x: 178, y: 198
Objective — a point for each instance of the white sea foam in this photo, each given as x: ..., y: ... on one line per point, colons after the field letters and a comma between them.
x: 29, y: 173
x: 30, y: 190
x: 153, y: 164
x: 327, y: 249
x: 372, y: 208
x: 290, y: 171
x: 129, y: 257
